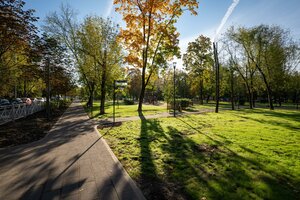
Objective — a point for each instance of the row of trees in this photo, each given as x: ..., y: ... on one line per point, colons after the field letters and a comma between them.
x: 149, y: 41
x: 94, y: 48
x: 255, y: 63
x: 26, y: 53
x: 258, y: 63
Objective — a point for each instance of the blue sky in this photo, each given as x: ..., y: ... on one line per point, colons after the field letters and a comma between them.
x: 285, y: 13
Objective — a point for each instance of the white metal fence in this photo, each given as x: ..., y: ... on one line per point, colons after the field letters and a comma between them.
x: 17, y: 111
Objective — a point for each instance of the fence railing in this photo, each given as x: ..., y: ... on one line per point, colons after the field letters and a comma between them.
x: 17, y: 111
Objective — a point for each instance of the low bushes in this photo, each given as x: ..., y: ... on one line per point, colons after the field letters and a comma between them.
x: 128, y: 102
x: 182, y: 103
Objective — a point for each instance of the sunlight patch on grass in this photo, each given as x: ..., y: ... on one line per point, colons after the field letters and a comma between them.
x: 122, y: 110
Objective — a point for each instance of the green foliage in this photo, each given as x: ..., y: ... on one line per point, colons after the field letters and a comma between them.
x: 241, y: 101
x: 64, y: 103
x: 198, y: 62
x: 150, y: 36
x: 17, y: 34
x: 247, y: 154
x: 128, y: 102
x: 264, y: 51
x: 183, y: 102
x: 55, y: 56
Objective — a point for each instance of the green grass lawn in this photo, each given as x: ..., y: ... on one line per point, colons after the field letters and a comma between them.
x: 124, y: 110
x: 246, y: 154
x: 211, y: 105
x: 227, y: 105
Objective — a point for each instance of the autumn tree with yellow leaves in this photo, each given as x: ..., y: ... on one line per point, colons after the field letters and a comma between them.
x: 150, y: 37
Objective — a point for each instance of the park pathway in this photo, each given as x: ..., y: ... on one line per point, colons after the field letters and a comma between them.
x: 71, y: 162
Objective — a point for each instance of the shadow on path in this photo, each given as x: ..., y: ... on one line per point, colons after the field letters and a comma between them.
x: 71, y: 162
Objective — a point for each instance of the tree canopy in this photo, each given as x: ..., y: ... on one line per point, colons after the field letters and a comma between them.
x: 150, y: 36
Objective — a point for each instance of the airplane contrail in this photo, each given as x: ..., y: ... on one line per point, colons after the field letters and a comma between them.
x: 109, y: 8
x: 226, y: 16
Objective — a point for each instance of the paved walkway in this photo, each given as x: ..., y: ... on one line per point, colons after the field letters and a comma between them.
x: 71, y: 162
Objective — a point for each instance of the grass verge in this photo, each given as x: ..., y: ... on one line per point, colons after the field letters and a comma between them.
x: 246, y: 154
x: 122, y: 110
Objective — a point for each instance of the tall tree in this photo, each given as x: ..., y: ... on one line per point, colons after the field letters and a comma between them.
x: 217, y: 73
x: 241, y: 63
x: 150, y: 36
x: 63, y: 26
x: 134, y: 80
x: 198, y: 60
x: 266, y: 48
x: 98, y: 44
x: 55, y: 56
x: 92, y: 44
x: 17, y: 30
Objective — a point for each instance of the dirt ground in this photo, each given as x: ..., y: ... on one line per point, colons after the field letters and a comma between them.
x: 29, y: 129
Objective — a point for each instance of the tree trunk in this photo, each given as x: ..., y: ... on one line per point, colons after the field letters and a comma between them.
x: 253, y: 99
x: 232, y: 90
x: 250, y: 97
x: 103, y: 94
x: 217, y: 67
x: 251, y: 93
x: 207, y: 99
x: 91, y: 95
x: 279, y: 101
x: 141, y: 98
x: 270, y: 98
x: 296, y: 100
x: 201, y: 92
x: 103, y: 87
x: 269, y: 91
x: 142, y: 94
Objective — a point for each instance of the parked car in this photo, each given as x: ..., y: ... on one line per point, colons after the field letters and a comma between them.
x: 33, y: 99
x: 16, y: 101
x: 4, y: 102
x: 41, y: 99
x: 26, y: 100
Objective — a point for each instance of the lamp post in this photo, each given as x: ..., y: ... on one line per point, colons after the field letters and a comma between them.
x: 114, y: 99
x: 174, y: 66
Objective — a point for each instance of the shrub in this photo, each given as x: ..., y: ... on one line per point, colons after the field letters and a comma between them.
x: 184, y: 103
x: 242, y: 102
x: 128, y: 102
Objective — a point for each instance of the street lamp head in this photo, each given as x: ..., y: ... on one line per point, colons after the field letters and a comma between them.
x: 174, y: 65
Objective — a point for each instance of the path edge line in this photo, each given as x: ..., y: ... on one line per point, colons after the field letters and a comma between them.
x: 120, y: 166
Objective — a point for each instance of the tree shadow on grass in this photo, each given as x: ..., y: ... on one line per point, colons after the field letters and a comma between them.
x: 288, y: 115
x: 218, y: 172
x: 274, y: 122
x: 151, y: 184
x: 193, y: 170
